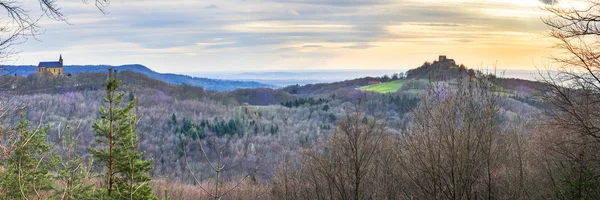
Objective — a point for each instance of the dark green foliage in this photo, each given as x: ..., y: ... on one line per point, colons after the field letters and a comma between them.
x: 134, y: 182
x: 218, y: 126
x: 385, y: 78
x: 28, y: 168
x: 580, y: 185
x: 293, y: 89
x: 436, y: 71
x: 127, y: 172
x: 301, y: 101
x: 72, y: 172
x: 173, y: 121
x: 326, y: 108
x: 181, y: 145
x: 332, y: 118
x: 395, y: 77
x: 274, y: 129
x: 403, y: 103
x: 189, y: 128
x: 222, y: 127
x: 531, y: 101
x: 131, y: 96
x: 325, y: 127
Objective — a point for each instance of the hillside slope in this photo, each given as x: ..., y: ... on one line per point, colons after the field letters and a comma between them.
x: 206, y: 83
x: 388, y: 87
x: 416, y: 79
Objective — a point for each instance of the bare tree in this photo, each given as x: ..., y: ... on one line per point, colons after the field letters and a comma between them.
x: 574, y: 93
x: 219, y: 165
x: 347, y: 168
x: 575, y: 88
x: 457, y: 144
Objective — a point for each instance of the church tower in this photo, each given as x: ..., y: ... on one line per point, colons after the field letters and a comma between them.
x: 54, y: 67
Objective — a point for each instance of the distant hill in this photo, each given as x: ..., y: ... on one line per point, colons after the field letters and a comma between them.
x: 328, y: 88
x: 206, y: 83
x: 416, y: 80
x: 438, y: 71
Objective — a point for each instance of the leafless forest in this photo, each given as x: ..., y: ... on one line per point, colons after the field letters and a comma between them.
x: 459, y: 134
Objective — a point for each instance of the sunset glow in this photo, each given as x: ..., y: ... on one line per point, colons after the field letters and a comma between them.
x: 193, y: 36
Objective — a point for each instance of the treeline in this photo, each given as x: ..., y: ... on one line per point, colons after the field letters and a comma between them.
x: 533, y: 101
x: 176, y: 79
x: 340, y: 87
x: 133, y: 81
x: 337, y: 88
x: 261, y: 96
x: 310, y: 101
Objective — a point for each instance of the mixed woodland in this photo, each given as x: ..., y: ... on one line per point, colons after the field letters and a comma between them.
x: 450, y: 132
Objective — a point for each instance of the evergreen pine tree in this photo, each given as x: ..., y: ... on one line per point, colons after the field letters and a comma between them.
x: 126, y: 170
x: 72, y: 172
x: 134, y: 182
x: 173, y: 121
x: 27, y: 169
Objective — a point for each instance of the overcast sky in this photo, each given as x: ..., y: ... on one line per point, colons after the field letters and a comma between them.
x: 249, y: 35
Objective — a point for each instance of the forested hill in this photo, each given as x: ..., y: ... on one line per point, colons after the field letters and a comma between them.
x: 414, y: 80
x: 330, y: 88
x: 206, y: 83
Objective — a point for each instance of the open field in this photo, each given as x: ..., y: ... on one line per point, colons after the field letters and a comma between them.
x: 387, y: 87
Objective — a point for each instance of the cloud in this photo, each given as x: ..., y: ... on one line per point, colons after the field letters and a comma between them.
x: 359, y: 46
x: 339, y: 3
x: 211, y: 6
x: 437, y: 24
x: 464, y: 40
x: 312, y: 46
x: 264, y: 30
x: 293, y: 12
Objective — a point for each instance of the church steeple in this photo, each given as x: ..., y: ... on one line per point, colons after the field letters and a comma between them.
x: 60, y: 59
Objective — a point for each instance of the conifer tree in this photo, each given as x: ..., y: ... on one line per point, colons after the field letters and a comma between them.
x: 126, y: 170
x: 134, y: 182
x: 27, y: 169
x: 73, y: 171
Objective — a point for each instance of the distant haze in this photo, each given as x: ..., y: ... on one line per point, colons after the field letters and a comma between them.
x: 303, y: 77
x: 285, y: 78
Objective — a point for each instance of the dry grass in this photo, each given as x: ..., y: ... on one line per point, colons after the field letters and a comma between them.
x: 246, y: 190
x: 178, y: 191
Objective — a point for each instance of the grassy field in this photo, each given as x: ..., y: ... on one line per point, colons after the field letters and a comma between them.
x: 387, y: 87
x: 394, y: 86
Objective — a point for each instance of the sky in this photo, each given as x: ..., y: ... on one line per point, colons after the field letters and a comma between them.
x: 185, y: 36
